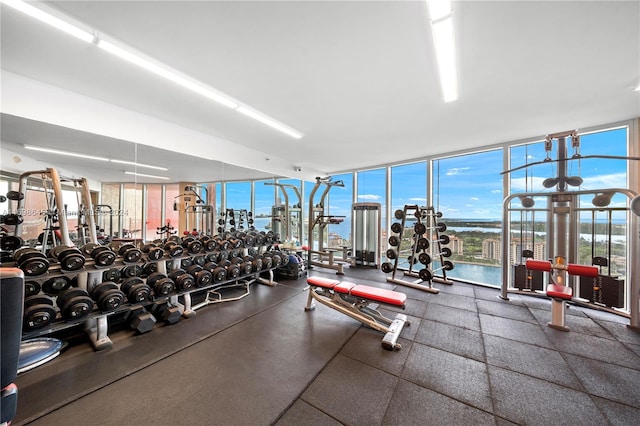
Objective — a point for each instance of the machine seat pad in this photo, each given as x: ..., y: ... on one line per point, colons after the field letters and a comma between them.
x: 559, y: 291
x: 322, y: 282
x: 344, y: 287
x: 389, y: 297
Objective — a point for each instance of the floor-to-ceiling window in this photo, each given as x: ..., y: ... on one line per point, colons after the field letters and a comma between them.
x: 238, y: 199
x: 340, y: 204
x: 468, y: 192
x: 263, y: 204
x: 408, y: 187
x: 372, y: 188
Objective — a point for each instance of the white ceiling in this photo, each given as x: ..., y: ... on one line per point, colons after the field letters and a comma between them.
x: 357, y: 78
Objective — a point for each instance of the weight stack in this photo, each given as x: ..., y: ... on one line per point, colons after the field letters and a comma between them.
x: 610, y: 294
x: 520, y: 278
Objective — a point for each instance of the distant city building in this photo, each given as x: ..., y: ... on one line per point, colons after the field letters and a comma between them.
x: 491, y: 249
x: 456, y: 245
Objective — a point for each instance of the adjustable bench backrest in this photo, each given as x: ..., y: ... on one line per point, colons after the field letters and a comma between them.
x: 362, y: 291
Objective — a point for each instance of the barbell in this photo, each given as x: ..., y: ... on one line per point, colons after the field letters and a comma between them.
x: 420, y: 228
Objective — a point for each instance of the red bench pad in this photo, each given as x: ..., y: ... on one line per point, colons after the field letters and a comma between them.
x: 559, y: 291
x: 344, y: 287
x: 379, y: 295
x: 322, y: 282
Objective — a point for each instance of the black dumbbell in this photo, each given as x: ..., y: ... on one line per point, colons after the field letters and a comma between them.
x: 69, y: 258
x: 111, y: 274
x: 31, y: 261
x: 213, y: 257
x: 130, y: 253
x: 11, y: 219
x: 199, y: 260
x: 153, y: 252
x: 38, y: 312
x: 149, y: 268
x: 161, y: 284
x: 183, y: 280
x: 15, y: 195
x: 141, y: 320
x: 192, y: 245
x: 277, y: 260
x: 386, y: 267
x: 74, y: 304
x: 11, y: 242
x: 257, y: 263
x: 101, y: 255
x: 107, y: 296
x: 131, y: 271
x: 56, y: 285
x: 164, y: 312
x: 186, y: 262
x: 136, y: 290
x: 31, y: 288
x: 202, y: 276
x: 233, y: 271
x: 174, y: 249
x: 208, y: 243
x: 219, y: 274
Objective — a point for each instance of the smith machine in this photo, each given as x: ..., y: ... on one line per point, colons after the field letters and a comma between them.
x: 559, y: 239
x: 324, y: 257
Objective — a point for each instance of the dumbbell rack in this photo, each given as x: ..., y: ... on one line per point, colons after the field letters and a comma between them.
x: 410, y: 215
x: 236, y: 220
x: 96, y: 323
x: 434, y: 228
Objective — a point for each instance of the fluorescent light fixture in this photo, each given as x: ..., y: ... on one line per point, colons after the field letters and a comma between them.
x: 133, y: 163
x: 49, y: 19
x: 438, y: 9
x: 144, y: 175
x: 148, y: 64
x: 165, y: 73
x: 70, y: 154
x: 444, y: 45
x: 268, y: 121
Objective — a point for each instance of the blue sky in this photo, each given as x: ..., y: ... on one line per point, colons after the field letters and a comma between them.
x: 470, y: 186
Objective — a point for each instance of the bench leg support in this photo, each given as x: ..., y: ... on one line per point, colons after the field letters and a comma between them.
x: 390, y: 340
x: 558, y: 315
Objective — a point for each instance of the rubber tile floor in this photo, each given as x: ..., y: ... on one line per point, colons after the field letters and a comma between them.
x: 468, y: 357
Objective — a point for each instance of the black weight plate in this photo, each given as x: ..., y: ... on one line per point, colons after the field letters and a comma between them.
x: 391, y: 254
x: 425, y: 274
x: 419, y: 228
x: 112, y: 274
x: 422, y: 244
x: 424, y: 258
x: 38, y: 316
x: 128, y: 283
x: 15, y: 195
x: 219, y: 274
x: 56, y: 285
x: 37, y: 300
x: 386, y: 267
x: 10, y: 242
x: 396, y: 227
x: 151, y: 279
x: 131, y: 271
x: 399, y: 214
x: 203, y: 278
x: 77, y: 308
x: 31, y: 288
x: 394, y: 241
x: 139, y: 293
x: 199, y: 260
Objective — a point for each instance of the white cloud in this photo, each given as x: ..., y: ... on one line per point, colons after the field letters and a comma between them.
x: 456, y: 170
x: 418, y: 200
x: 369, y: 197
x: 496, y: 191
x: 474, y: 199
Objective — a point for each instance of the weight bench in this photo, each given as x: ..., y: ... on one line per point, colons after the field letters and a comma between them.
x: 354, y: 299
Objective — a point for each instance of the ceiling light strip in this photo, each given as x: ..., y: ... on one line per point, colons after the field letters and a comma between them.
x: 145, y: 175
x: 133, y: 163
x: 91, y: 157
x: 268, y: 121
x: 70, y: 154
x: 49, y: 19
x: 441, y: 19
x: 150, y: 65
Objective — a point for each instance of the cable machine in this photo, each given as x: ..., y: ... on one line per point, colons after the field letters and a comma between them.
x: 198, y: 212
x: 562, y: 211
